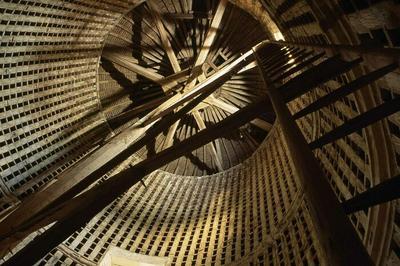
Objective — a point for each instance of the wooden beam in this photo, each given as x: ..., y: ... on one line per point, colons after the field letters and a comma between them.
x: 169, y: 139
x: 188, y: 16
x: 212, y: 33
x: 210, y: 84
x: 134, y: 112
x: 386, y: 191
x: 339, y: 241
x: 345, y: 90
x: 209, y: 40
x: 315, y: 76
x: 164, y: 37
x: 211, y: 147
x: 75, y: 213
x: 131, y: 64
x: 264, y: 125
x: 359, y: 122
x: 377, y: 54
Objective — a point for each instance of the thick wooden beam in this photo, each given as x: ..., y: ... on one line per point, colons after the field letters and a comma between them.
x: 315, y: 76
x: 209, y: 40
x: 131, y: 64
x: 250, y: 66
x: 211, y: 147
x: 378, y: 54
x: 339, y: 241
x: 359, y: 122
x: 75, y: 213
x: 298, y: 66
x: 212, y: 83
x: 164, y: 37
x: 169, y: 139
x: 187, y: 16
x: 386, y: 191
x: 264, y: 125
x: 134, y: 112
x: 345, y: 90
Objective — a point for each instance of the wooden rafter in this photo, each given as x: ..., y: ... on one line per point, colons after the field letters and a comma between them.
x: 164, y: 37
x: 132, y: 65
x: 262, y: 124
x: 169, y: 139
x: 213, y: 82
x: 213, y: 152
x: 209, y: 40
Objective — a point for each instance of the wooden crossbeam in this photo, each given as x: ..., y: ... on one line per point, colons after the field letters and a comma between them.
x: 384, y: 192
x: 213, y: 82
x: 315, y: 76
x: 131, y: 64
x: 292, y: 61
x: 134, y: 112
x: 209, y: 40
x: 188, y: 16
x: 346, y: 90
x: 262, y: 124
x: 359, y: 122
x: 75, y: 213
x: 301, y: 64
x: 164, y: 37
x: 211, y: 147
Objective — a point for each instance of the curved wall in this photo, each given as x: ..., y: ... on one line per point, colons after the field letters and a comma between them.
x: 251, y: 213
x: 49, y: 113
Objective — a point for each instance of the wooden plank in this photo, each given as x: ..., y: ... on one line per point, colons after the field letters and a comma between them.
x: 169, y: 139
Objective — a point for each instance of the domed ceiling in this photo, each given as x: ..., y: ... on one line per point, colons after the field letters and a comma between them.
x: 164, y: 48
